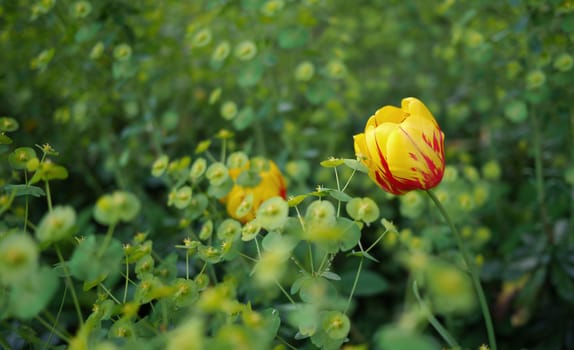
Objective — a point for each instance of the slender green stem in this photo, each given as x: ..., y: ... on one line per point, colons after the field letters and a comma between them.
x: 349, y: 180
x: 354, y: 285
x: 124, y: 298
x: 187, y: 264
x: 57, y: 319
x: 48, y: 195
x: 211, y: 272
x: 540, y: 190
x: 472, y: 269
x: 301, y: 221
x: 323, y: 264
x: 444, y: 333
x: 285, y: 292
x: 310, y: 253
x: 108, y: 292
x: 70, y: 286
x: 377, y: 241
x: 26, y: 209
x: 286, y: 343
x: 258, y: 249
x: 52, y: 329
x: 107, y: 240
x: 338, y: 189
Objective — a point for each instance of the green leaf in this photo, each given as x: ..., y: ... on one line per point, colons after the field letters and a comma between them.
x: 336, y: 324
x: 351, y: 233
x: 293, y: 37
x: 197, y: 205
x: 4, y: 140
x: 244, y: 118
x: 563, y: 283
x: 248, y: 178
x: 363, y: 254
x: 331, y: 276
x: 25, y: 190
x: 527, y: 296
x: 91, y: 260
x: 364, y: 209
x: 319, y: 93
x: 370, y: 283
x: 250, y: 74
x: 220, y: 191
x: 332, y: 162
x: 272, y: 213
x: 294, y: 201
x: 49, y: 171
x: 20, y: 156
x: 33, y: 295
x: 339, y: 195
x: 356, y: 165
x: 516, y: 111
x: 8, y: 124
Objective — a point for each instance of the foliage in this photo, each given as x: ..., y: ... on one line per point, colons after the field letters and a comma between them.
x: 125, y: 125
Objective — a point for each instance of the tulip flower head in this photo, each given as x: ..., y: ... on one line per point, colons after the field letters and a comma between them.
x: 403, y: 148
x: 266, y: 182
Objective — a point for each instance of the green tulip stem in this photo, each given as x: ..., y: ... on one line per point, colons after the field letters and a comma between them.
x: 471, y: 268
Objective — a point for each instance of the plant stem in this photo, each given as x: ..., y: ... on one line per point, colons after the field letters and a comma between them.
x: 52, y: 329
x: 27, y: 209
x: 377, y: 241
x: 354, y: 285
x: 70, y: 285
x: 107, y: 240
x: 57, y: 319
x: 108, y: 292
x: 285, y: 292
x: 48, y: 195
x: 127, y: 281
x: 444, y: 333
x: 338, y: 189
x: 472, y: 269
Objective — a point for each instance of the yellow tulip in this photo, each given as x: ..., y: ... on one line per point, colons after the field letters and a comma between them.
x: 403, y: 148
x: 271, y: 184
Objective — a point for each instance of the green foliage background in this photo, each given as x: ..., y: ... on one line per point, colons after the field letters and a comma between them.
x: 112, y: 85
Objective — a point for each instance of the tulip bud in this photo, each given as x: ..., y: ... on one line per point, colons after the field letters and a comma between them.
x: 403, y: 148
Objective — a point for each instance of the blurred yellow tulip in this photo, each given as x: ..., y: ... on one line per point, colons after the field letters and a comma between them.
x: 243, y: 200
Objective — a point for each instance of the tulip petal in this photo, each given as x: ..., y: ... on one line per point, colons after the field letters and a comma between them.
x: 415, y: 107
x: 413, y: 160
x: 360, y: 146
x: 387, y: 114
x: 428, y: 137
x: 376, y: 140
